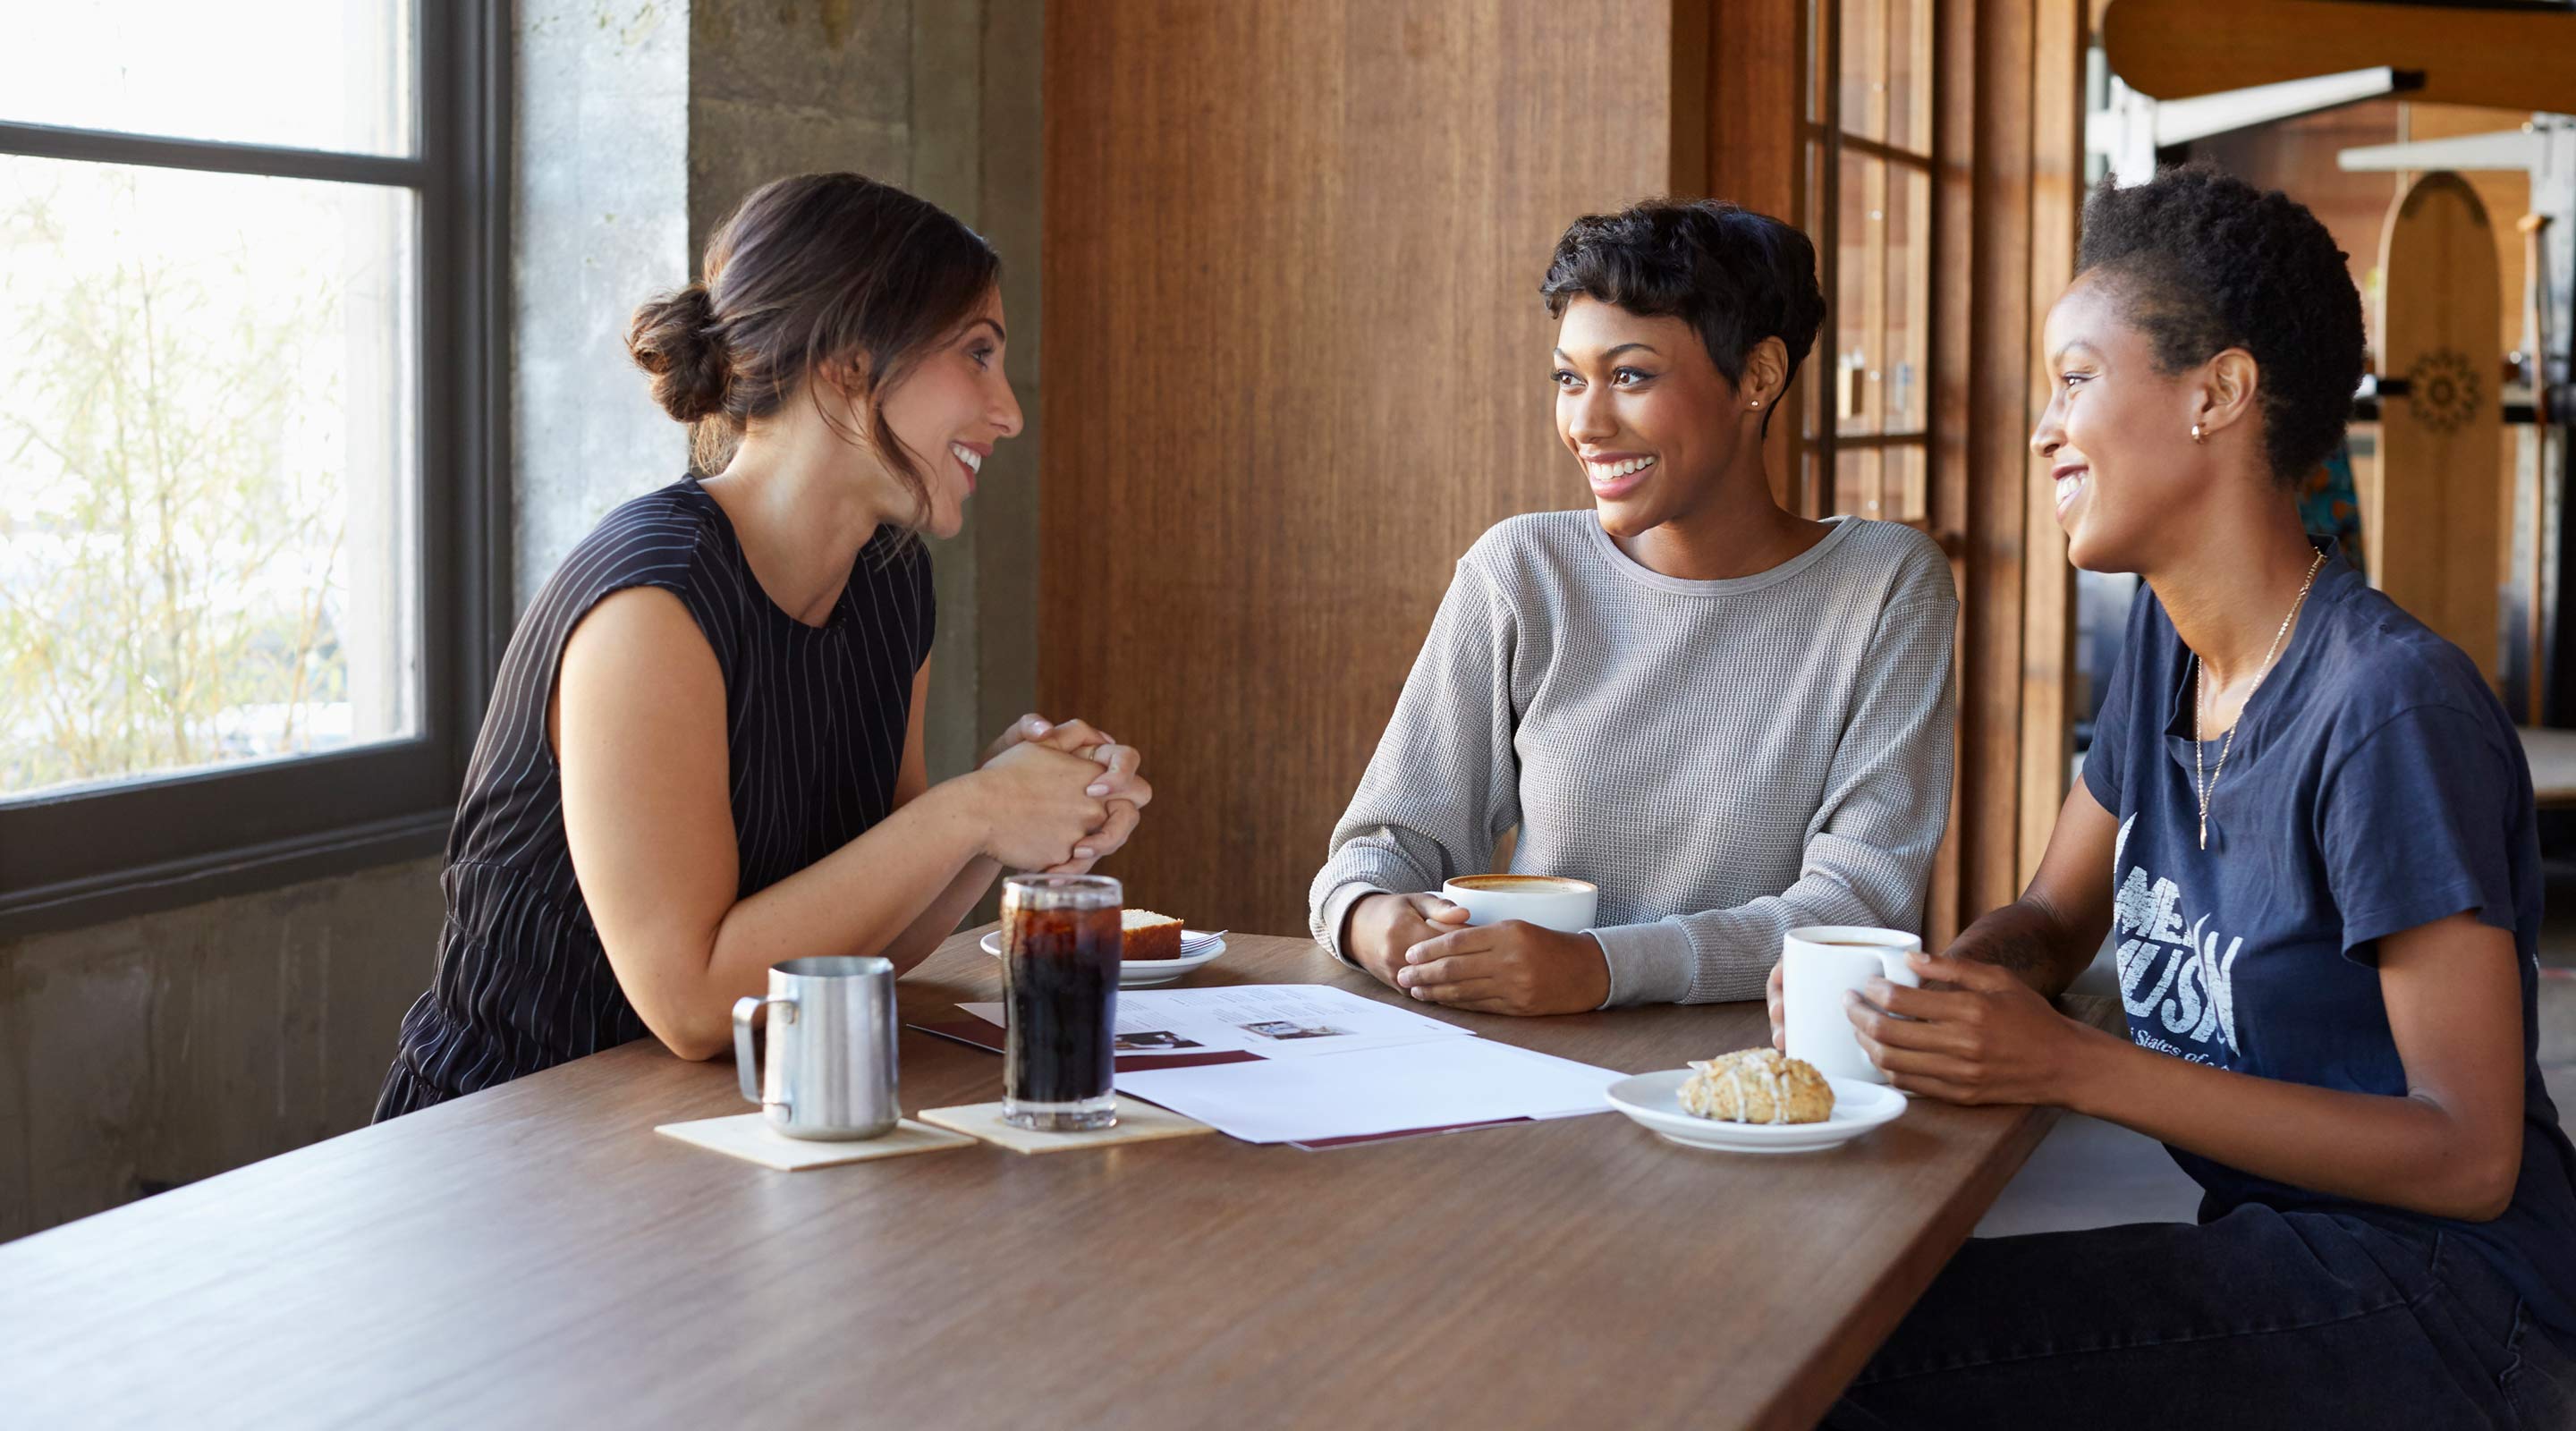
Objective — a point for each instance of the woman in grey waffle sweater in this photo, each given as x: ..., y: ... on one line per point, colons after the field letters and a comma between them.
x: 1734, y: 720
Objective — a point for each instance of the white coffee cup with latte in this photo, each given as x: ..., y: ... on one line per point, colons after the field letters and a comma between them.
x: 1548, y: 901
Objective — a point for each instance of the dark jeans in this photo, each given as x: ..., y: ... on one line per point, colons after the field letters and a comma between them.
x: 2258, y: 1319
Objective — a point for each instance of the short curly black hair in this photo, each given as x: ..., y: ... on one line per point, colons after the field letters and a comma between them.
x: 2204, y: 262
x: 1737, y: 277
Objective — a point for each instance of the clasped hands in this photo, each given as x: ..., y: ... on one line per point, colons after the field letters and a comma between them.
x: 1974, y: 1033
x: 1421, y: 944
x: 1072, y: 793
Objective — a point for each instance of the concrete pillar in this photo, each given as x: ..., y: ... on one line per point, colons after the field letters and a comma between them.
x: 599, y: 222
x: 1009, y: 142
x: 947, y: 73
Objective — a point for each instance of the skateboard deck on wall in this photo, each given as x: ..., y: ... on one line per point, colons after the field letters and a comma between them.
x: 2434, y: 521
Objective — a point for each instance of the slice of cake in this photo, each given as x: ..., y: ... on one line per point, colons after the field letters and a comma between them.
x: 1143, y: 934
x: 1757, y: 1085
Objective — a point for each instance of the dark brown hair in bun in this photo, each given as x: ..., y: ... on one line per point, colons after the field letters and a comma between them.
x: 673, y: 338
x: 810, y: 271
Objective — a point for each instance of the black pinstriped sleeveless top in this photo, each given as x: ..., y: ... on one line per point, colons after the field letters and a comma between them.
x: 815, y: 718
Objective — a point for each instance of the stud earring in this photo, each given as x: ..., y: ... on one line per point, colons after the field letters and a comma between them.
x: 2196, y: 433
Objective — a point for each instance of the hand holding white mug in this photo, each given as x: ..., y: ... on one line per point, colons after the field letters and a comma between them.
x: 1974, y: 1034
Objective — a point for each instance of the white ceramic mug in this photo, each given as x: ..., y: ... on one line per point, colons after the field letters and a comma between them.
x: 1548, y: 901
x: 1819, y: 964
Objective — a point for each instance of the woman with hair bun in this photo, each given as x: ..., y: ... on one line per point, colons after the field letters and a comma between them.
x: 704, y: 753
x: 2306, y: 829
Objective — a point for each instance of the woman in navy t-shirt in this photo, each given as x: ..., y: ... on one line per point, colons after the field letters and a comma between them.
x: 2306, y: 825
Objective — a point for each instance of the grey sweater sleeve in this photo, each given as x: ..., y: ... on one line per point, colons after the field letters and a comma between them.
x: 1444, y: 783
x: 1869, y: 847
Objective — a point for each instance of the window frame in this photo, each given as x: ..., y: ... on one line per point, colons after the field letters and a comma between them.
x: 101, y: 852
x: 1823, y: 139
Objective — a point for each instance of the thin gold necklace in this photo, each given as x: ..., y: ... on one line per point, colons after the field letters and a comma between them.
x: 2200, y: 701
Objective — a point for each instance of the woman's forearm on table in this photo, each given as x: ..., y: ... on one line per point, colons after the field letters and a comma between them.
x: 868, y: 897
x: 2400, y: 1151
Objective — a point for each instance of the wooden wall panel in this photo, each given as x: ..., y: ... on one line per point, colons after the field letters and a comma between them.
x: 1752, y: 140
x: 2056, y: 111
x: 1985, y: 149
x: 1694, y: 69
x: 1756, y: 49
x: 1295, y: 364
x: 2010, y: 187
x: 1957, y: 203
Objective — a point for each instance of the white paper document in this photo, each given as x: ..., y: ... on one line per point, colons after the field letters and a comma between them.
x: 1425, y: 1084
x: 1291, y: 1021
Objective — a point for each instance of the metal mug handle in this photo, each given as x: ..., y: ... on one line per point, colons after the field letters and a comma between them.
x: 745, y: 1062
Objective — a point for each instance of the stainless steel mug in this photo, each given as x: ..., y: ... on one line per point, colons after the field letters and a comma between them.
x: 831, y: 1073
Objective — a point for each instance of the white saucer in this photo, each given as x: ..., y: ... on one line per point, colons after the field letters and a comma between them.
x: 1654, y: 1099
x: 1139, y: 973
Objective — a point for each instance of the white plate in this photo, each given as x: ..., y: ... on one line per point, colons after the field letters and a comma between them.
x: 1654, y: 1099
x: 1140, y: 973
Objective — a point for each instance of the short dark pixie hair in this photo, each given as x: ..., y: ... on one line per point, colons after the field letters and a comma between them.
x: 2204, y: 262
x: 1735, y: 276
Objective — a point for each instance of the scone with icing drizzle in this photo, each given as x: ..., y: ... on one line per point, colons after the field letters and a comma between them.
x: 1758, y: 1085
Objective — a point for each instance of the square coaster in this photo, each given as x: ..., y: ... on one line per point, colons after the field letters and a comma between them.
x: 1137, y: 1123
x: 749, y: 1137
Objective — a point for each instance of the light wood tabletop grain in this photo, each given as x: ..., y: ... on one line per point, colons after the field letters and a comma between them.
x: 535, y: 1256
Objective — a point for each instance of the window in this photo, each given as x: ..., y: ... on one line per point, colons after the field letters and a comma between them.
x: 1865, y: 443
x: 249, y: 298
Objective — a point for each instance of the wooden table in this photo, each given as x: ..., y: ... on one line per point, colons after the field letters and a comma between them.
x: 536, y: 1256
